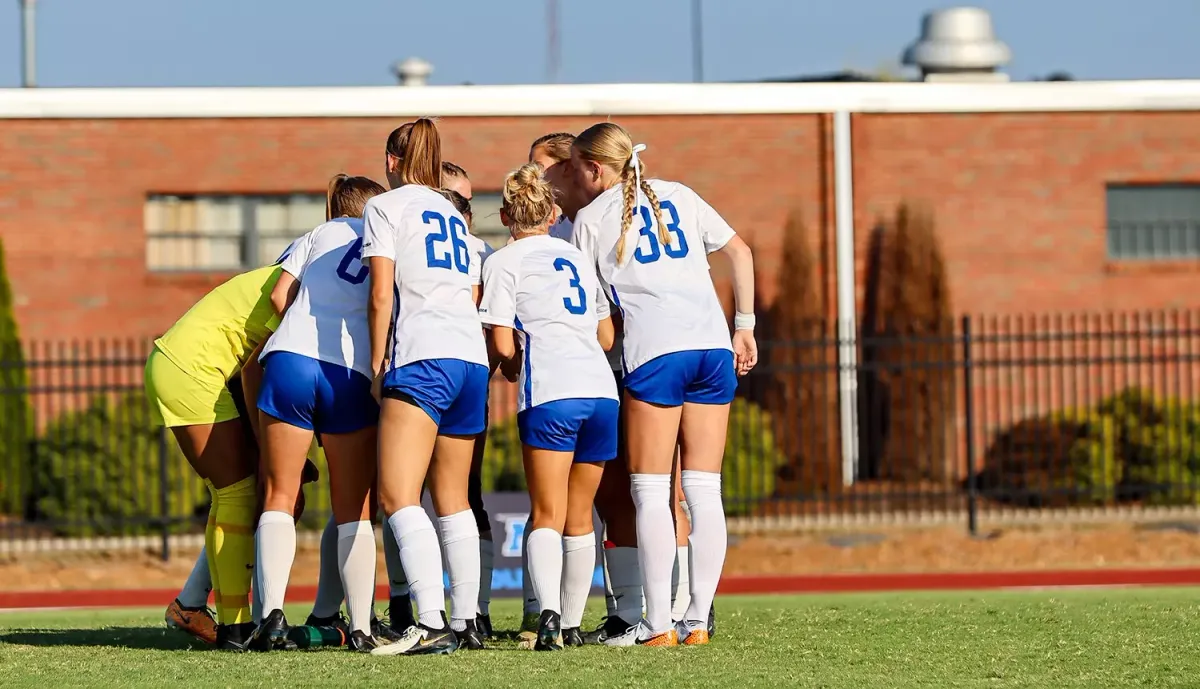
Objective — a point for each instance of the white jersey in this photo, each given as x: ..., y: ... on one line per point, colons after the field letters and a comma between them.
x: 561, y: 229
x: 665, y: 293
x: 433, y: 313
x: 481, y: 250
x: 328, y: 319
x: 539, y: 286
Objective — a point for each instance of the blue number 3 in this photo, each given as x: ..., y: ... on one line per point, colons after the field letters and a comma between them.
x: 354, y: 253
x: 457, y: 230
x: 561, y: 264
x: 676, y: 249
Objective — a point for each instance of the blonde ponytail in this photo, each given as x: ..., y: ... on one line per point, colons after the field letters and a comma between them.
x: 628, y: 208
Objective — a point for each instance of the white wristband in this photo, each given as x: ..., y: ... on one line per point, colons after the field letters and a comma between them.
x: 743, y: 321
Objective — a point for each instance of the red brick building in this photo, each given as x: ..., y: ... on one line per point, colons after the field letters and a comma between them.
x: 119, y: 208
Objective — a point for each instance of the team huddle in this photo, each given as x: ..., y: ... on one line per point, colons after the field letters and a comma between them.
x: 378, y: 334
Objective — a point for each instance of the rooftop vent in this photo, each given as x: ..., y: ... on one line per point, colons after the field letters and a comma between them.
x: 958, y: 44
x: 413, y: 72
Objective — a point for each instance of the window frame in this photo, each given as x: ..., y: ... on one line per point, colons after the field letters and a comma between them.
x: 1176, y: 245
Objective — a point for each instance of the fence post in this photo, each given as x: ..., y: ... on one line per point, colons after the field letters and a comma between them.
x: 969, y: 412
x: 164, y: 493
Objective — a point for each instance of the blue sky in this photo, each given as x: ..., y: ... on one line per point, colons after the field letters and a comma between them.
x: 309, y: 42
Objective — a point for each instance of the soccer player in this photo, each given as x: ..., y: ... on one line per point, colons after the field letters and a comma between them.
x: 431, y: 366
x: 649, y: 241
x: 567, y: 401
x: 318, y: 380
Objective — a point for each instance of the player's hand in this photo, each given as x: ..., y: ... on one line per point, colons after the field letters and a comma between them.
x: 745, y: 351
x: 511, y: 368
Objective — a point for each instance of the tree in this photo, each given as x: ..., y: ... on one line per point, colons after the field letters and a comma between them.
x: 15, y: 414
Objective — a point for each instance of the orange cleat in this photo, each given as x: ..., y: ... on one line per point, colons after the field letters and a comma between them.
x: 198, y: 622
x: 667, y: 638
x: 697, y: 637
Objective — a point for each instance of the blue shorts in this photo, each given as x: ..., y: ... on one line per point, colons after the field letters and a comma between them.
x: 585, y: 426
x: 453, y: 392
x: 316, y: 395
x: 698, y: 376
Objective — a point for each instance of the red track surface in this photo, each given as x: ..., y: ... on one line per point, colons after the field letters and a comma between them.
x: 834, y: 583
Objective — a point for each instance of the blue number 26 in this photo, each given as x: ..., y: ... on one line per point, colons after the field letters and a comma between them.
x: 561, y: 264
x: 455, y: 233
x: 676, y: 249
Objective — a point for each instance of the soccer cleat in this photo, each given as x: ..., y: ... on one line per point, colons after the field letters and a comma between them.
x: 233, y: 637
x: 644, y: 637
x: 383, y: 632
x: 527, y: 636
x: 692, y: 633
x: 470, y: 638
x: 613, y: 627
x: 198, y: 622
x: 363, y: 643
x: 421, y: 640
x: 271, y: 635
x: 335, y: 621
x: 484, y: 623
x: 712, y: 620
x: 572, y: 637
x: 548, y: 633
x: 400, y: 614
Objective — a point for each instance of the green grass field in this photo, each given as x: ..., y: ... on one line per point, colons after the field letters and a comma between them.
x: 1081, y: 638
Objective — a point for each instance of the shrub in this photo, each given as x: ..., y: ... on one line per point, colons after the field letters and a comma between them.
x: 16, y: 419
x: 752, y: 460
x: 502, y: 467
x: 98, y: 471
x: 1159, y: 446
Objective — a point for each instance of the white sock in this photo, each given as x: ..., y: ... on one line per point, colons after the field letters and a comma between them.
x: 460, y: 539
x: 256, y: 602
x: 531, y: 600
x: 708, y: 540
x: 656, y: 545
x: 610, y: 602
x: 198, y: 585
x: 681, y: 595
x: 625, y: 574
x: 487, y: 559
x: 579, y: 563
x: 397, y: 582
x: 329, y: 577
x: 421, y: 558
x: 356, y: 564
x: 275, y: 547
x: 546, y: 567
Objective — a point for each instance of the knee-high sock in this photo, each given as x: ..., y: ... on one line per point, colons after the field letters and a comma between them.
x: 275, y: 543
x: 233, y: 538
x: 656, y: 545
x: 329, y: 578
x: 422, y: 562
x: 579, y: 564
x: 397, y: 581
x: 356, y: 561
x: 460, y: 541
x: 546, y: 567
x: 681, y: 594
x: 708, y: 541
x: 199, y: 583
x: 210, y: 547
x: 487, y: 560
x: 531, y: 601
x: 625, y: 577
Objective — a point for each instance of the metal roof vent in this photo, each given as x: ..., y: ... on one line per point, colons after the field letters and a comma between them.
x: 413, y: 72
x: 958, y: 44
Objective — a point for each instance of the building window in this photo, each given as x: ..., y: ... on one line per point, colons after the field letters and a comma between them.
x: 1153, y: 222
x: 485, y: 219
x: 223, y: 232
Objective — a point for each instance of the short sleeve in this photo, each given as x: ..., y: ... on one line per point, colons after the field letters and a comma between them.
x: 715, y: 232
x: 499, y: 304
x: 603, y: 310
x: 379, y: 237
x: 480, y: 250
x: 297, y: 255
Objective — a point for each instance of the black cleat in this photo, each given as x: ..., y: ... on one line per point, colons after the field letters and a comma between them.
x: 400, y: 614
x: 362, y: 643
x: 433, y: 641
x: 484, y: 624
x: 712, y: 621
x: 470, y: 638
x: 337, y: 622
x: 572, y: 637
x: 383, y: 632
x: 271, y: 635
x: 549, y: 632
x: 234, y: 637
x: 612, y: 627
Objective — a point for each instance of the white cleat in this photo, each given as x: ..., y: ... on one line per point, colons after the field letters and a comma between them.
x: 407, y: 641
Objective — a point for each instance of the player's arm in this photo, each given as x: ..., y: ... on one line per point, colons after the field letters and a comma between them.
x: 284, y: 292
x: 606, y: 333
x: 379, y: 308
x: 719, y: 237
x: 497, y: 311
x: 252, y: 375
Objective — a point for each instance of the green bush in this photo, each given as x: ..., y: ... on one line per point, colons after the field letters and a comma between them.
x: 1159, y: 445
x: 752, y: 460
x: 16, y: 418
x: 99, y: 471
x: 503, y: 470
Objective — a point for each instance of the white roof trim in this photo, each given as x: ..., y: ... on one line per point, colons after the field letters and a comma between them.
x: 598, y: 100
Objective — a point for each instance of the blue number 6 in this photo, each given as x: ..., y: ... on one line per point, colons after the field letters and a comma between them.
x: 354, y: 253
x: 560, y: 264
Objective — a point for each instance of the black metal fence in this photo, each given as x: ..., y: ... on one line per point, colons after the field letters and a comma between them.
x: 970, y: 419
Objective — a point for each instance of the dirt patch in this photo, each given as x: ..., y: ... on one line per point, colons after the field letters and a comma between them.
x: 942, y: 549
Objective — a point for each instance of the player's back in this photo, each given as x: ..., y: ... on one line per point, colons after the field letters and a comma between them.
x: 434, y: 313
x: 328, y: 319
x: 664, y: 290
x: 557, y: 308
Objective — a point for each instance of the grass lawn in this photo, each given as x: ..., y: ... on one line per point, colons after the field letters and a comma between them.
x: 1079, y: 638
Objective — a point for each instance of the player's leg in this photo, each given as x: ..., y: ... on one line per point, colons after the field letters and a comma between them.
x: 681, y: 576
x: 189, y: 611
x: 487, y: 548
